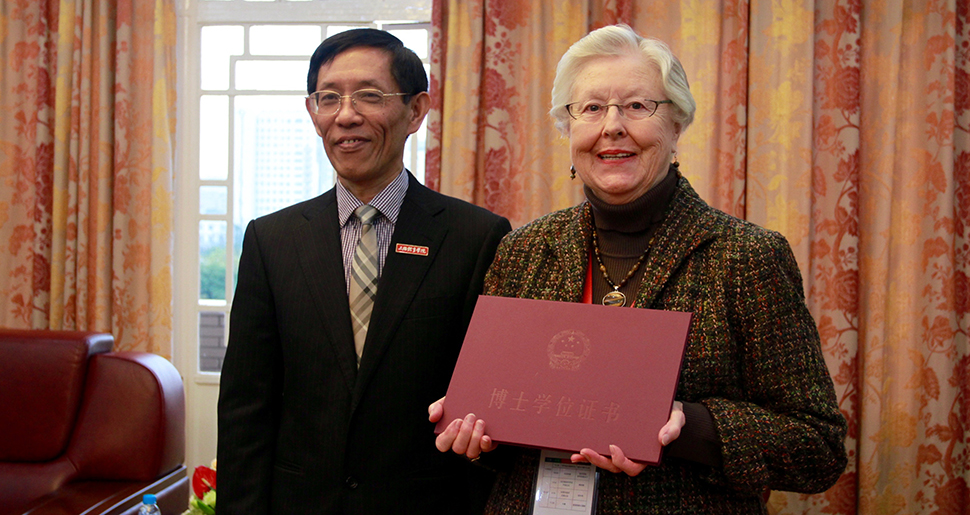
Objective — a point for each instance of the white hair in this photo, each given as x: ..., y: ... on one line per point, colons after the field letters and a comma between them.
x: 621, y: 40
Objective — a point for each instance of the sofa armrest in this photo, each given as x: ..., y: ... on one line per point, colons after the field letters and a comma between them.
x: 132, y: 421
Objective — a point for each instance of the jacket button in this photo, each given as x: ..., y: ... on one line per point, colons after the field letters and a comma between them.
x: 351, y: 482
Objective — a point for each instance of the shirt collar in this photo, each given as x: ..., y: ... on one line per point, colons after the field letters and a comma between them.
x: 388, y: 201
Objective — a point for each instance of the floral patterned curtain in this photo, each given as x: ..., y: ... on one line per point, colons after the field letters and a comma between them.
x: 86, y: 159
x: 845, y: 125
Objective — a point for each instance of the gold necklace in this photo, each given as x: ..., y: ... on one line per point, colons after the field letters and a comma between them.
x: 616, y: 297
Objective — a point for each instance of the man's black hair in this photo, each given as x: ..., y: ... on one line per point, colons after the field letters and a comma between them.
x: 406, y: 67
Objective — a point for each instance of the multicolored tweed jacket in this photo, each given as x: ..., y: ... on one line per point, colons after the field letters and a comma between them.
x: 753, y: 359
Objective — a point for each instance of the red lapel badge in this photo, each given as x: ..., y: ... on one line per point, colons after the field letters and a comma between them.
x: 415, y: 250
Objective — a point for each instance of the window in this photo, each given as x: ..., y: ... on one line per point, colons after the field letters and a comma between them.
x: 247, y: 134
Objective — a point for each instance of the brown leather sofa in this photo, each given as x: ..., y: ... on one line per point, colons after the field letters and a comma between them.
x: 84, y: 430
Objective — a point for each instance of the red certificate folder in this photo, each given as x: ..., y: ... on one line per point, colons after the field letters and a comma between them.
x: 566, y: 376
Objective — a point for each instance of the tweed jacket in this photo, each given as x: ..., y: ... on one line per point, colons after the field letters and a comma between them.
x: 753, y: 359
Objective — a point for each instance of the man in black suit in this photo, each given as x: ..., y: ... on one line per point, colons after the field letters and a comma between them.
x: 309, y: 422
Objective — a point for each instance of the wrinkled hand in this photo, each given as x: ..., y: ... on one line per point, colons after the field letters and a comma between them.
x: 618, y: 462
x: 671, y: 430
x: 463, y: 436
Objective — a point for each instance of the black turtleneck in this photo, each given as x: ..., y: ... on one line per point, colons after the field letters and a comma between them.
x: 624, y: 233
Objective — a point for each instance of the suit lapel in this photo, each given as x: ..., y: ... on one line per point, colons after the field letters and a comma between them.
x: 682, y: 231
x: 322, y: 265
x: 401, y: 276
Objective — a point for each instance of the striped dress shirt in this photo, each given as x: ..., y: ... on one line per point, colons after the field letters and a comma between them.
x: 388, y: 202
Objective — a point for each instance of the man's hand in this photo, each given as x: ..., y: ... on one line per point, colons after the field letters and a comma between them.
x: 463, y: 436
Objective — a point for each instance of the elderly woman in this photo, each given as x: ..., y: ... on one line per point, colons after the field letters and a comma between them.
x: 755, y: 407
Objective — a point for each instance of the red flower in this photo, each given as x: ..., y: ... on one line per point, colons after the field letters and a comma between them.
x: 203, y: 480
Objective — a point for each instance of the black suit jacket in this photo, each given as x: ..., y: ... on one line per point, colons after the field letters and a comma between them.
x: 301, y: 429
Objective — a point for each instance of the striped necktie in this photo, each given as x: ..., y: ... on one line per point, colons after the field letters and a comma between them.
x: 364, y: 275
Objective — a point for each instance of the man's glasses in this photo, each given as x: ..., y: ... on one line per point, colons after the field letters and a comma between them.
x: 594, y: 111
x: 365, y: 101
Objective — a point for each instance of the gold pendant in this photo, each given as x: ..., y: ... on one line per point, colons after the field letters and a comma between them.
x: 614, y: 298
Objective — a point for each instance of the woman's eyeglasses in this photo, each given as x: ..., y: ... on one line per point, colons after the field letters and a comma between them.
x: 595, y: 111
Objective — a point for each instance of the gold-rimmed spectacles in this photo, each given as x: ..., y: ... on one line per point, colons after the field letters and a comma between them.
x: 365, y: 101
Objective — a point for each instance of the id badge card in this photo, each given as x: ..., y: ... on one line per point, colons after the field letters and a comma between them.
x: 563, y: 487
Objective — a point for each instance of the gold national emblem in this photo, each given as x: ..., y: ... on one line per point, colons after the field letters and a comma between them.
x: 567, y: 350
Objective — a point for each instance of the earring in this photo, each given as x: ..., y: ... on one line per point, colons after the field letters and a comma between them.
x: 572, y: 172
x: 675, y: 164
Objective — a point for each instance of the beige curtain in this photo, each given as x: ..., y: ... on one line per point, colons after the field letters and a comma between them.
x: 845, y: 125
x: 86, y: 156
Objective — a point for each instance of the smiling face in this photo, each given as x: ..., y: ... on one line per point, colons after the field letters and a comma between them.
x: 621, y: 159
x: 366, y: 151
